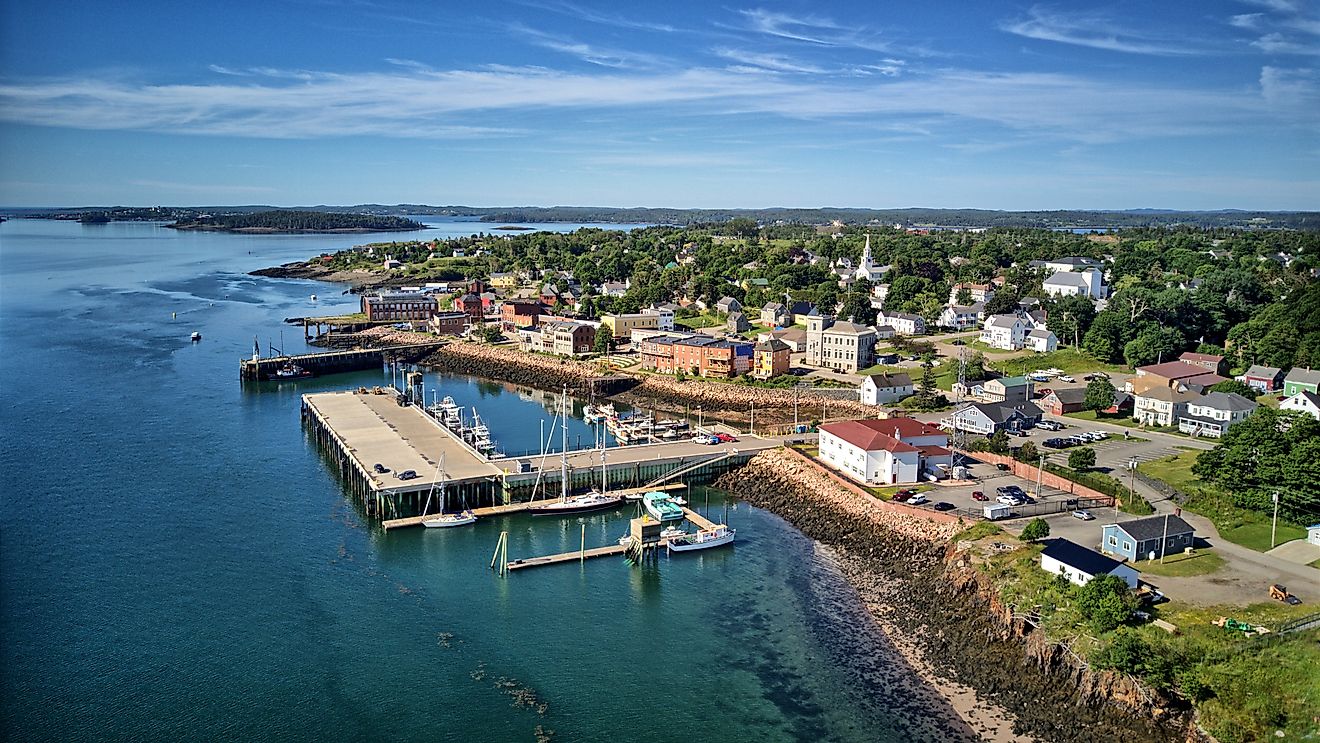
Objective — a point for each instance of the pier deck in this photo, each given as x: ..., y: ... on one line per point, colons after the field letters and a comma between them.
x: 374, y: 428
x: 533, y: 562
x: 701, y: 521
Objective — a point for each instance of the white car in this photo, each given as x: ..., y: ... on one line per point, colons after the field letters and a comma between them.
x: 917, y: 499
x: 1066, y: 378
x: 1007, y: 500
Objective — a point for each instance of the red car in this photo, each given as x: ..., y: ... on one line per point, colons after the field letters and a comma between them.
x: 725, y: 438
x: 978, y: 495
x: 902, y: 495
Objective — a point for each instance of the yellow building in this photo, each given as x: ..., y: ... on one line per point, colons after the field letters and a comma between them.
x: 504, y: 280
x: 622, y: 326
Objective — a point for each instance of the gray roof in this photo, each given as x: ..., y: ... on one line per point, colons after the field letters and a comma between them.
x: 1263, y: 372
x: 1225, y: 401
x: 1067, y: 278
x: 1000, y: 412
x: 848, y: 328
x: 881, y: 379
x: 772, y: 306
x: 1152, y: 527
x: 1041, y: 333
x: 1001, y: 321
x: 1069, y: 394
x: 1075, y: 555
x: 1303, y: 376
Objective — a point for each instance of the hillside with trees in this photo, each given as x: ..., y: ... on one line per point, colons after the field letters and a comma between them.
x: 284, y: 221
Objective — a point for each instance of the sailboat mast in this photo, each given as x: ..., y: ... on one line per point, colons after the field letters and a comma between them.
x: 563, y: 447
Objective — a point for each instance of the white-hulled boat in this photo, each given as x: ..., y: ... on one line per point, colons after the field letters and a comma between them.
x: 568, y: 505
x: 196, y: 336
x: 445, y: 520
x: 669, y: 532
x: 717, y: 536
x: 451, y: 415
x: 661, y: 507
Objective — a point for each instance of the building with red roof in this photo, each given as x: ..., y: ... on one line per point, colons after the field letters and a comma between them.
x: 885, y: 451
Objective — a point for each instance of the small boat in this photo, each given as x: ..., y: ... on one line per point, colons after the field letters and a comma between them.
x: 633, y: 497
x: 660, y: 506
x: 717, y: 536
x: 291, y: 371
x: 313, y: 297
x: 196, y: 336
x: 445, y: 520
x: 678, y: 500
x: 669, y: 532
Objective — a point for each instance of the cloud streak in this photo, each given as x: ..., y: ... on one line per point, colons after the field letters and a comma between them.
x: 1091, y: 31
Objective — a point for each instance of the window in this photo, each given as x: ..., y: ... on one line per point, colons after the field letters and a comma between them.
x: 1127, y: 546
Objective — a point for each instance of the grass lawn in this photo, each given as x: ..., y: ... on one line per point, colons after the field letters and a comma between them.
x: 987, y: 348
x: 1201, y: 562
x: 1315, y: 564
x: 700, y: 321
x: 1067, y: 360
x: 1250, y: 529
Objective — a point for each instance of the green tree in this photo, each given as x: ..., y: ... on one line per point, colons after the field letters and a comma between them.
x: 1081, y: 459
x: 964, y: 297
x: 1035, y: 529
x: 604, y: 341
x: 1099, y: 394
x: 491, y: 333
x: 1151, y: 345
x: 1027, y: 453
x: 998, y: 443
x: 1106, y: 602
x: 1106, y: 337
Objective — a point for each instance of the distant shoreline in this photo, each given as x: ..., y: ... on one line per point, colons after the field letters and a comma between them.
x: 279, y: 231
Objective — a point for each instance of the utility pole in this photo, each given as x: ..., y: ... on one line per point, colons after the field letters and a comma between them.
x: 1132, y: 481
x: 1040, y: 475
x: 1164, y: 540
x: 1274, y: 524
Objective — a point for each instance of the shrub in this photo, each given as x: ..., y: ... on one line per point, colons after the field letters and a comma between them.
x: 1106, y: 601
x: 1081, y: 459
x: 1035, y: 529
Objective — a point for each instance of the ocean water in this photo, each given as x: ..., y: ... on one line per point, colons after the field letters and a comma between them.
x: 177, y: 563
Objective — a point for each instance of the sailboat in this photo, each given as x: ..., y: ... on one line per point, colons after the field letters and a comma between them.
x: 596, y: 500
x: 445, y: 520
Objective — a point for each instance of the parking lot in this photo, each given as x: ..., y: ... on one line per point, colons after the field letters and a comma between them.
x: 987, y: 481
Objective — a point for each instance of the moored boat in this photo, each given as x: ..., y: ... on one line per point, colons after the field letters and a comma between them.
x: 291, y: 371
x: 717, y: 536
x: 660, y: 506
x: 445, y: 520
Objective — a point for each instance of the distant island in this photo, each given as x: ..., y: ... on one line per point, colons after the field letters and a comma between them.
x: 285, y: 221
x: 514, y: 228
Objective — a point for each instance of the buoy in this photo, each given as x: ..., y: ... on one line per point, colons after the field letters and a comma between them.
x: 174, y: 316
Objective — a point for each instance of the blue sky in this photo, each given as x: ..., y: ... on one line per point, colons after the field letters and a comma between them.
x: 1191, y: 105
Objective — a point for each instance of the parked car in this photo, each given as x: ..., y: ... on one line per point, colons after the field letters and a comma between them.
x: 957, y: 342
x: 908, y: 491
x: 1066, y: 378
x: 380, y: 468
x: 407, y: 475
x: 901, y: 496
x: 1003, y: 467
x: 1007, y: 500
x: 917, y: 499
x: 726, y: 438
x: 1083, y: 514
x: 944, y: 506
x: 979, y: 496
x: 1050, y: 425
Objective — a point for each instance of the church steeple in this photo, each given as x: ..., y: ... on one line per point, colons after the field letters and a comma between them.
x: 866, y: 252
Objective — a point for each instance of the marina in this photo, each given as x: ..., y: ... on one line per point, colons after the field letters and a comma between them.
x: 261, y: 369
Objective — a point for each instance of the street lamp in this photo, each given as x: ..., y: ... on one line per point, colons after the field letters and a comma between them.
x: 1274, y: 524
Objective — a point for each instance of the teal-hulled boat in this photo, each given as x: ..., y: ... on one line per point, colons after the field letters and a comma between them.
x: 661, y: 507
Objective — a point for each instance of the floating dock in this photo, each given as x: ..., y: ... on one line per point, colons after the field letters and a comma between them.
x: 536, y: 562
x: 331, y: 362
x: 488, y: 511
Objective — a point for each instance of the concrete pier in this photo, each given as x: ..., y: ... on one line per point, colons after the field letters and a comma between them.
x: 331, y: 362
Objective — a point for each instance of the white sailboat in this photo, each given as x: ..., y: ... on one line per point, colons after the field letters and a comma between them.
x: 596, y: 500
x: 445, y: 520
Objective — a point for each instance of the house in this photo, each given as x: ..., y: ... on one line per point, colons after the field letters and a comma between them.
x: 1313, y: 534
x: 614, y: 288
x: 980, y: 293
x: 566, y: 338
x: 391, y: 264
x: 794, y: 338
x: 1303, y: 402
x: 1063, y: 401
x: 1007, y: 389
x: 1264, y: 378
x: 1079, y: 564
x: 1123, y: 402
x: 1041, y: 340
x: 1179, y: 374
x: 903, y: 323
x: 774, y: 315
x: 987, y: 418
x: 1208, y: 361
x: 727, y: 305
x: 1085, y: 283
x: 1160, y: 406
x: 448, y: 323
x: 1007, y: 332
x: 843, y: 346
x: 770, y: 358
x: 1214, y: 413
x: 889, y: 451
x: 507, y: 280
x: 664, y: 317
x: 399, y: 306
x: 1299, y: 380
x: 798, y: 311
x: 961, y: 317
x: 470, y: 305
x: 1148, y: 538
x: 520, y: 313
x: 490, y: 303
x: 1071, y: 263
x: 623, y: 325
x: 700, y: 355
x: 737, y: 323
x: 880, y: 389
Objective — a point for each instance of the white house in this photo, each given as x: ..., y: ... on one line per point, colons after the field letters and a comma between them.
x: 894, y: 450
x: 1079, y: 564
x: 1303, y: 402
x: 878, y: 389
x: 961, y: 317
x: 1160, y: 405
x: 1070, y: 263
x: 1041, y: 340
x: 1008, y: 332
x: 1212, y: 414
x: 902, y: 323
x: 1086, y: 283
x: 664, y: 317
x: 978, y: 292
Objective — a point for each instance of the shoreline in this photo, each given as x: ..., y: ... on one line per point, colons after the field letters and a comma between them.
x: 944, y: 616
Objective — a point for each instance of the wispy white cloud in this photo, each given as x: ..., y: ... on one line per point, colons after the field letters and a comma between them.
x: 1246, y: 20
x: 466, y: 104
x: 810, y: 29
x: 1277, y: 43
x: 1296, y: 89
x: 1094, y: 31
x: 763, y: 62
x: 590, y: 15
x: 604, y: 57
x: 1289, y: 28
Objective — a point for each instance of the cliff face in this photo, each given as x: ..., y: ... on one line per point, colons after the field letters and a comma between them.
x: 915, y: 580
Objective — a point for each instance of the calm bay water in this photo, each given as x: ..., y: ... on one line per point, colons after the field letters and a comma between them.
x: 177, y: 563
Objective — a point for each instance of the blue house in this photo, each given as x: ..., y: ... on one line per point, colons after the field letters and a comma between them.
x: 1140, y: 539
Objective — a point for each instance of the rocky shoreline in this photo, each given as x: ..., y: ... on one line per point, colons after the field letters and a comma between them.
x: 918, y: 587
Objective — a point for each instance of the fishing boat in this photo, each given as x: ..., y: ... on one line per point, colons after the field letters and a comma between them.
x: 451, y: 415
x: 444, y: 520
x: 596, y: 500
x: 660, y: 506
x: 597, y: 413
x: 716, y: 536
x: 669, y: 532
x: 291, y: 371
x: 196, y: 336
